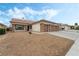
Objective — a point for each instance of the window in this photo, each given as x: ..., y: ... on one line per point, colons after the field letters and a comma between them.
x: 19, y: 27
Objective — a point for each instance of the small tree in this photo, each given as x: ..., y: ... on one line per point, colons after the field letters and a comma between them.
x: 76, y: 24
x: 2, y: 31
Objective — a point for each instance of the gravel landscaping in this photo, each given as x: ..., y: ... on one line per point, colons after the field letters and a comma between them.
x: 23, y: 44
x: 3, y: 36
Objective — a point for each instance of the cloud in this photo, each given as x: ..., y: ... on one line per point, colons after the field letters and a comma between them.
x: 15, y: 13
x: 29, y: 13
x: 4, y: 21
x: 1, y: 21
x: 20, y: 13
x: 49, y: 13
x: 1, y: 12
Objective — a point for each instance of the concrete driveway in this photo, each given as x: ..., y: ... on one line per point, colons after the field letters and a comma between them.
x: 67, y: 34
x: 73, y: 35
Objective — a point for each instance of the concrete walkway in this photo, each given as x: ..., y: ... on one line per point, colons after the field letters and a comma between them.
x: 74, y: 50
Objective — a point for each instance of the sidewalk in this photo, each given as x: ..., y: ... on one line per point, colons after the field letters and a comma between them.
x: 74, y: 51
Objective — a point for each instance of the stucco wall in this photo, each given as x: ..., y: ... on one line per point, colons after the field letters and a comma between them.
x: 65, y: 27
x: 36, y: 27
x: 2, y: 26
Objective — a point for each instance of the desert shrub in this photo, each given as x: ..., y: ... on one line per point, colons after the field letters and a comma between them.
x: 2, y: 31
x: 9, y: 29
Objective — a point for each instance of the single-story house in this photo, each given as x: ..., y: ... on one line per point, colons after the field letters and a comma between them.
x: 45, y: 26
x: 39, y: 26
x: 75, y: 26
x: 72, y: 27
x: 64, y: 27
x: 2, y: 26
x: 21, y: 24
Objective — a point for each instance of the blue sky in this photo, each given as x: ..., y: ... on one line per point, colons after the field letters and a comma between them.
x: 56, y: 12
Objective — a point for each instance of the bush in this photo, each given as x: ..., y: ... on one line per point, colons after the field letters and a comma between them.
x: 2, y: 31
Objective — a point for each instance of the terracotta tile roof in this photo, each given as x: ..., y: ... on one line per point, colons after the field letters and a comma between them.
x: 45, y: 21
x: 15, y: 20
x: 23, y: 21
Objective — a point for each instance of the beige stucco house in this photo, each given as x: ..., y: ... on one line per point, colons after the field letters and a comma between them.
x: 45, y: 26
x: 38, y: 26
x: 20, y: 24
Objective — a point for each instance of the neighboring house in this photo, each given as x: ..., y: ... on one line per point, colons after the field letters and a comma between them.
x: 64, y: 27
x: 39, y: 26
x: 76, y: 27
x: 72, y: 27
x: 2, y: 26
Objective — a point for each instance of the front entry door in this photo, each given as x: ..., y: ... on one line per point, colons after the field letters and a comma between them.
x: 29, y: 27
